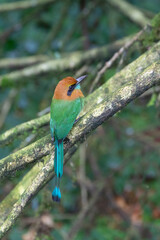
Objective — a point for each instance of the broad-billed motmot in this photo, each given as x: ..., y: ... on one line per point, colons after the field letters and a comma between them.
x: 66, y: 104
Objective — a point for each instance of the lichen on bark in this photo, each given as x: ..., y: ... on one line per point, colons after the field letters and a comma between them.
x: 134, y: 81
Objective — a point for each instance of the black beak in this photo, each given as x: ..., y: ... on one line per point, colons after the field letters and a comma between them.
x: 80, y: 79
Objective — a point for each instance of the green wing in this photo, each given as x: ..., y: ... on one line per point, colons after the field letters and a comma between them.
x: 63, y: 116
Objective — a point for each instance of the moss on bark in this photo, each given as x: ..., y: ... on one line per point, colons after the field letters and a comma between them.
x: 14, y: 203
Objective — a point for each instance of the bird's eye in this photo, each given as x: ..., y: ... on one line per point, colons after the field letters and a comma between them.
x: 70, y: 89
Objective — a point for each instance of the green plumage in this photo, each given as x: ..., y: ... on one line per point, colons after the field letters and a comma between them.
x: 63, y: 116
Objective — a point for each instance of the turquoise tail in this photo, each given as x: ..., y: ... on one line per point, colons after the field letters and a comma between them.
x: 58, y: 168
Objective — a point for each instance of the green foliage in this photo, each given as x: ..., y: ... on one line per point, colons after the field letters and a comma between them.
x: 105, y: 231
x: 152, y: 101
x: 6, y: 82
x: 154, y: 35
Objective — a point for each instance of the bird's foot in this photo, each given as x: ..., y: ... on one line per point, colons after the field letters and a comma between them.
x: 66, y: 140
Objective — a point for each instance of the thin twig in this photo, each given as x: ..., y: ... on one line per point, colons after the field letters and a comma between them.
x: 44, y: 111
x: 131, y: 11
x: 109, y: 63
x: 150, y: 92
x: 78, y: 223
x: 94, y: 166
x: 82, y: 175
x: 6, y: 106
x: 87, y: 182
x: 83, y: 70
x: 69, y: 61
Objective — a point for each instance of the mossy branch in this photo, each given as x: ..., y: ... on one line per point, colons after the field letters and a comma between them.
x: 73, y: 60
x: 42, y: 147
x: 24, y: 129
x: 34, y: 180
x: 27, y: 155
x: 21, y: 5
x: 132, y: 12
x: 70, y: 61
x: 23, y: 61
x: 127, y: 74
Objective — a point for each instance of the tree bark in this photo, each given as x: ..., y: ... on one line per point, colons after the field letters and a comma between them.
x: 107, y: 100
x: 129, y: 73
x: 70, y: 61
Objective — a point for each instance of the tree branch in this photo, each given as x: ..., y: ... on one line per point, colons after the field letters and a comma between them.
x: 130, y: 88
x: 24, y: 129
x: 21, y: 5
x: 22, y: 62
x: 27, y: 155
x: 71, y: 61
x: 81, y: 216
x: 127, y: 74
x: 132, y: 12
x: 110, y: 62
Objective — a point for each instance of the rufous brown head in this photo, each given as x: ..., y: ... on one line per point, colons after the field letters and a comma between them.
x: 69, y: 88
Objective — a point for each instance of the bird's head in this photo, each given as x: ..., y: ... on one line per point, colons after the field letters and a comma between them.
x: 69, y: 88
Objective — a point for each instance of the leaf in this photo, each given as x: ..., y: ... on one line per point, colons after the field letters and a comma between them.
x: 152, y: 101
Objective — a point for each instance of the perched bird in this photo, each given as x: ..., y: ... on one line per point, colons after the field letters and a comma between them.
x: 66, y: 104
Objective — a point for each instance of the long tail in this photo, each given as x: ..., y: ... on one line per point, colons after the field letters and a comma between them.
x: 58, y: 168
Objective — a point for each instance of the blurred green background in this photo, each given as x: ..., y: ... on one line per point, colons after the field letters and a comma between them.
x: 124, y: 150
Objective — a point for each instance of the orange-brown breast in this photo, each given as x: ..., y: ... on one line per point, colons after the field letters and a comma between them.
x: 62, y: 89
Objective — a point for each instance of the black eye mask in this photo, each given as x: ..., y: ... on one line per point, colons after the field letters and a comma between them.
x: 70, y: 90
x: 72, y: 87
